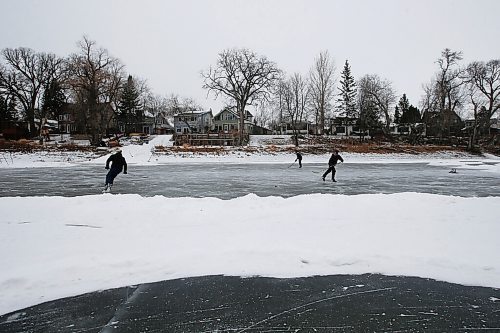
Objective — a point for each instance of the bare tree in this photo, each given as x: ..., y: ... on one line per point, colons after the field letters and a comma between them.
x: 300, y: 94
x: 242, y: 76
x: 96, y: 79
x: 156, y: 104
x: 486, y: 78
x: 265, y: 114
x: 483, y: 90
x: 448, y: 80
x: 429, y: 100
x: 322, y: 81
x: 293, y: 96
x: 27, y: 74
x: 369, y: 114
x: 177, y: 104
x: 381, y: 93
x: 445, y: 95
x: 157, y: 107
x: 475, y: 100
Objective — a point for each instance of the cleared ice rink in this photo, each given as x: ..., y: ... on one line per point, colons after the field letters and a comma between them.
x: 230, y: 180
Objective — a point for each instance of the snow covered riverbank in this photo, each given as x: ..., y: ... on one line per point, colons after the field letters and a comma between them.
x: 145, y: 155
x: 67, y: 246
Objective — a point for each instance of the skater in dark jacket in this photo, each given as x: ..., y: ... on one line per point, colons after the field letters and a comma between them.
x: 331, y: 164
x: 118, y: 164
x: 299, y: 158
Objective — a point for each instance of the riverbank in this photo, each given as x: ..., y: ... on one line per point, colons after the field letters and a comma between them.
x: 261, y: 149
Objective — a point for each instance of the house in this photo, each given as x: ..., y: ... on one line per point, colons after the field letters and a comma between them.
x: 228, y: 120
x: 302, y: 127
x: 68, y: 118
x: 445, y: 123
x: 495, y: 125
x: 259, y: 130
x: 162, y: 124
x: 399, y: 129
x: 407, y: 129
x: 72, y: 118
x: 485, y: 125
x: 148, y: 125
x: 14, y: 130
x: 193, y: 122
x: 344, y: 125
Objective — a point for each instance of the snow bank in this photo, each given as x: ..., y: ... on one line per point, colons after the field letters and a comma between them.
x: 67, y: 246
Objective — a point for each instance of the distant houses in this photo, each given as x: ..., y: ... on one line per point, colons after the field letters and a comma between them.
x: 228, y: 120
x: 205, y: 128
x: 193, y: 122
x: 442, y: 124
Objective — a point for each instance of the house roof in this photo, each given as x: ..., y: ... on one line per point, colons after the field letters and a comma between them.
x: 193, y: 113
x: 232, y: 111
x: 343, y: 114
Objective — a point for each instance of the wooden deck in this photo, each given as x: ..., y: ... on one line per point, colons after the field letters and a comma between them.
x: 209, y: 139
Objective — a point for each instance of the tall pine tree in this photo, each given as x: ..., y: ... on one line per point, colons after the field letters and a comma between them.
x: 403, y: 104
x: 7, y: 111
x: 130, y: 111
x: 347, y: 99
x: 412, y: 116
x: 397, y: 115
x: 409, y: 113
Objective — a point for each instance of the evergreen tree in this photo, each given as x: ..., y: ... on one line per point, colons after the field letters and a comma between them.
x: 412, y: 116
x: 403, y: 106
x: 397, y: 115
x: 53, y: 100
x: 347, y: 100
x: 130, y: 111
x: 7, y: 111
x: 409, y: 113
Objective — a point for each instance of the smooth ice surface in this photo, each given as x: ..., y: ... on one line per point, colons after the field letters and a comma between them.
x: 230, y: 180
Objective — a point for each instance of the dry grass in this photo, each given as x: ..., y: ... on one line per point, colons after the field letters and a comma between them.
x: 316, y: 146
x: 317, y: 149
x: 30, y: 146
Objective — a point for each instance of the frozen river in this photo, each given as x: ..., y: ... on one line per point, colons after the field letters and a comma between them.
x: 233, y: 180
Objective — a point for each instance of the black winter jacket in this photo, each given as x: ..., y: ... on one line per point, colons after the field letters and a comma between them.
x: 117, y: 162
x: 334, y: 159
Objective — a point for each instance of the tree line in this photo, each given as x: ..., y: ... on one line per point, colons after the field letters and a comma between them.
x: 371, y: 101
x: 37, y: 85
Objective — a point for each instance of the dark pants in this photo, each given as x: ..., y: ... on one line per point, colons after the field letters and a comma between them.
x: 113, y: 172
x: 331, y: 169
x: 300, y: 163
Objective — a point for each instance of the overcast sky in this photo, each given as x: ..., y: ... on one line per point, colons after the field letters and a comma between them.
x: 168, y: 43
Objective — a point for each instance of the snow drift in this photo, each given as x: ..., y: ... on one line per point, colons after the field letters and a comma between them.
x: 67, y: 246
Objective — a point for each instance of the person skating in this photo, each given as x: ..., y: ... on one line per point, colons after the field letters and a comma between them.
x: 331, y: 165
x: 118, y: 164
x: 299, y: 158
